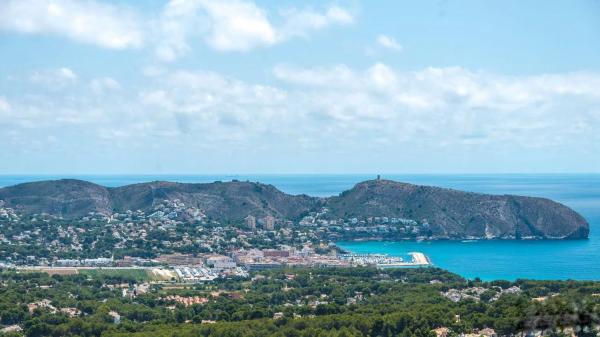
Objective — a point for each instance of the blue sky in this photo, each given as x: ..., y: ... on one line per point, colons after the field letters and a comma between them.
x: 236, y: 86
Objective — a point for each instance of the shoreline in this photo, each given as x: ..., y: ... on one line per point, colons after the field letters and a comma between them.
x: 465, y: 240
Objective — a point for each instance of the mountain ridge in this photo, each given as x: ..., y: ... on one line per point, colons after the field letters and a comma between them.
x: 450, y: 213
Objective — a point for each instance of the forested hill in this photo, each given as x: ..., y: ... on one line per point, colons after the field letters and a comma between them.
x: 448, y: 213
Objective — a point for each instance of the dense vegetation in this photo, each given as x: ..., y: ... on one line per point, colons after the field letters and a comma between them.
x: 305, y: 302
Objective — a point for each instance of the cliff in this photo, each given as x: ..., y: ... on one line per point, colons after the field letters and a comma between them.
x: 457, y: 214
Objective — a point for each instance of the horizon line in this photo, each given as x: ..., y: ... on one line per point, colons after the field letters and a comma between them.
x: 291, y: 174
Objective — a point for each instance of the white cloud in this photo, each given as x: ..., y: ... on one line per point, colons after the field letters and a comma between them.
x: 88, y: 21
x: 4, y: 106
x: 180, y: 20
x: 104, y: 84
x: 67, y: 74
x: 339, y: 15
x: 54, y: 78
x: 388, y: 43
x: 225, y: 25
x: 382, y: 77
x: 302, y: 22
x: 448, y: 86
x: 320, y: 76
x: 208, y: 101
x: 153, y: 71
x: 326, y: 110
x: 449, y: 105
x: 238, y: 25
x: 441, y: 105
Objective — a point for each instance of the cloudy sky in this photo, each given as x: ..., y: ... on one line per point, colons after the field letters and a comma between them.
x: 240, y: 86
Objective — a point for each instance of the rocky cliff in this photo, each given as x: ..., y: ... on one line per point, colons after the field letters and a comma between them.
x: 457, y: 214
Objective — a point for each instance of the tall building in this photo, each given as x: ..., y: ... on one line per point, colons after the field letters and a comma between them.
x: 269, y: 223
x: 250, y: 222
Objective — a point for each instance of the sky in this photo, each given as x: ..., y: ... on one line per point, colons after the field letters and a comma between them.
x: 240, y: 86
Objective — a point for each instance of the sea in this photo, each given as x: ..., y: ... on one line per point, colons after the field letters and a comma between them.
x: 486, y: 259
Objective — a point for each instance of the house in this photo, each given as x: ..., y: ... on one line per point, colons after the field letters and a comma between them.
x: 219, y: 260
x: 488, y: 332
x: 250, y: 222
x: 116, y: 317
x: 72, y: 312
x: 269, y: 222
x: 441, y: 332
x: 11, y: 328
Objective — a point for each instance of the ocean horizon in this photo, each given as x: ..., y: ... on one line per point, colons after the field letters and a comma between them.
x: 486, y: 259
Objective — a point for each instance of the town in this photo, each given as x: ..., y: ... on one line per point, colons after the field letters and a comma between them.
x: 182, y: 243
x: 187, y: 268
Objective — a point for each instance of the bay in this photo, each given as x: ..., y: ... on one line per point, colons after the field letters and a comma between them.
x: 571, y: 259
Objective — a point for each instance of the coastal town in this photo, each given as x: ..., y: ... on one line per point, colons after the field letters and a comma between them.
x: 174, y: 263
x: 181, y: 243
x: 264, y: 168
x: 187, y: 268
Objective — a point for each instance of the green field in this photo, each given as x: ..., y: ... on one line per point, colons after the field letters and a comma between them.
x: 136, y: 274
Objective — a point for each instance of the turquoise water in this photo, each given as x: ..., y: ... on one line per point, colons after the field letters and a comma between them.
x: 578, y: 259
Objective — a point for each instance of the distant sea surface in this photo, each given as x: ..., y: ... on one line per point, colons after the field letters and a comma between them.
x: 577, y: 259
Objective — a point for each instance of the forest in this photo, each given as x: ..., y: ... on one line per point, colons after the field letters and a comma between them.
x: 295, y: 302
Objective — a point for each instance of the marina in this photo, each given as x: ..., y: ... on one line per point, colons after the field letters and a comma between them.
x: 386, y: 261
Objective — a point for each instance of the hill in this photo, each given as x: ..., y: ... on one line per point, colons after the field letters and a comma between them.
x: 458, y: 214
x: 230, y: 201
x: 449, y: 213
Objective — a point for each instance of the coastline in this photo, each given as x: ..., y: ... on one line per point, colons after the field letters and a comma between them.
x: 497, y: 259
x: 468, y: 239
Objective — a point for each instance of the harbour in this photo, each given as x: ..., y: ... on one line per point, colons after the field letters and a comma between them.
x: 387, y: 261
